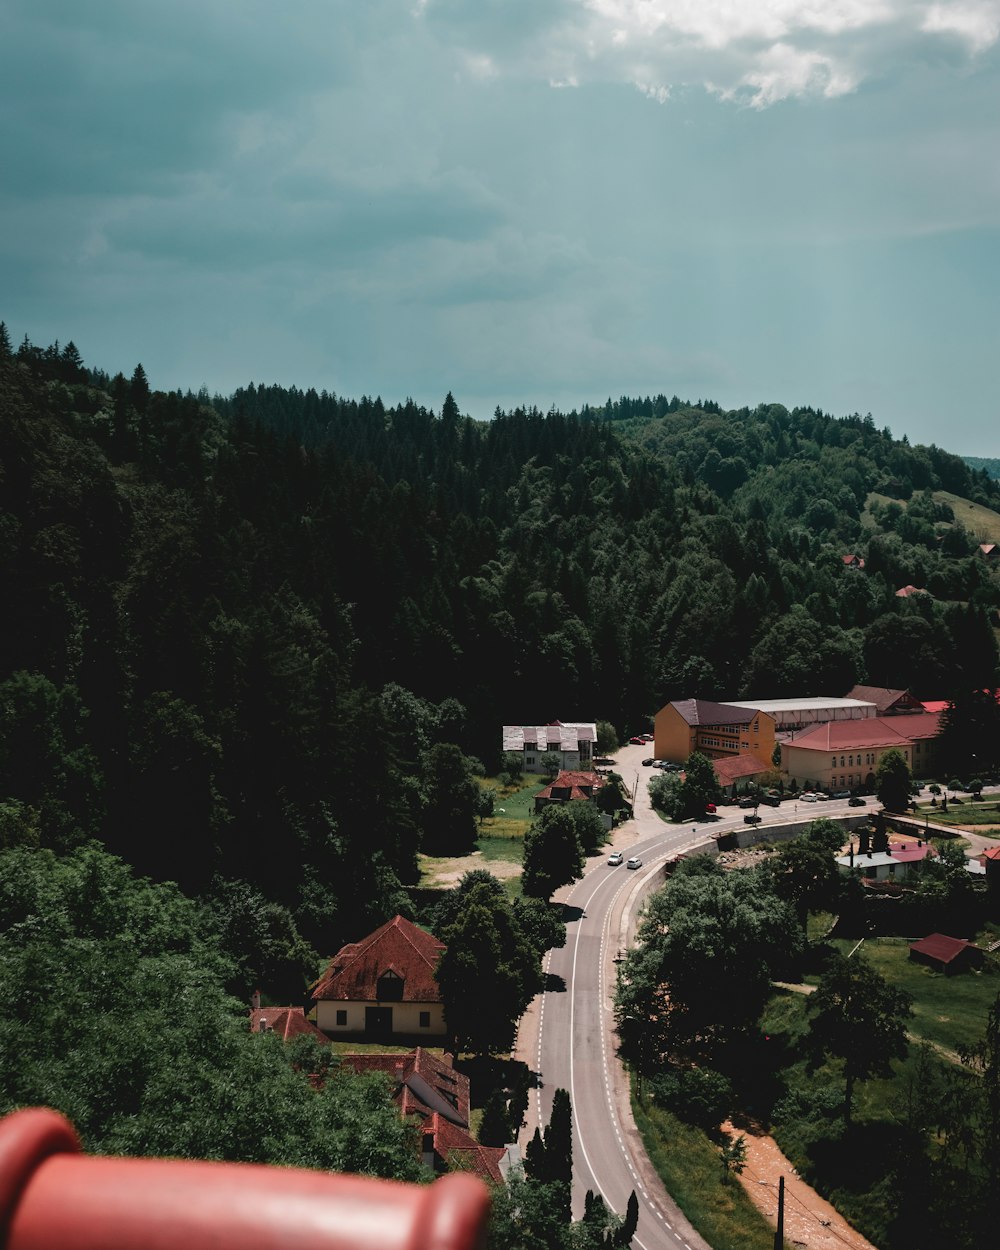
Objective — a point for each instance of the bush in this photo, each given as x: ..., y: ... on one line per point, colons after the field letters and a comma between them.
x: 698, y: 1096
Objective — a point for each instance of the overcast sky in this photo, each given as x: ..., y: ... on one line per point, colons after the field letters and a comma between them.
x: 521, y: 201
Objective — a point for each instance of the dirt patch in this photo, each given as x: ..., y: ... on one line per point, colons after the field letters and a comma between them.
x: 809, y: 1219
x: 448, y: 871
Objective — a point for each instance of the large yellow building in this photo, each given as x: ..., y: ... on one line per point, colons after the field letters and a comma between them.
x: 718, y: 730
x: 844, y: 755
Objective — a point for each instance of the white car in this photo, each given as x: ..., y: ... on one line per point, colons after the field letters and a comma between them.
x: 615, y: 858
x: 809, y: 797
x: 634, y: 862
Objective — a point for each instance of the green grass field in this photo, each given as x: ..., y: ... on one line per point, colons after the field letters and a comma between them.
x: 977, y: 816
x: 688, y: 1164
x: 982, y: 523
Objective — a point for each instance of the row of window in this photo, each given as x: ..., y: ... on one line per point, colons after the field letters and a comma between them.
x: 425, y: 1019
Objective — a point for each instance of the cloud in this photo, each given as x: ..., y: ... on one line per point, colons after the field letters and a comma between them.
x: 756, y: 52
x: 978, y: 24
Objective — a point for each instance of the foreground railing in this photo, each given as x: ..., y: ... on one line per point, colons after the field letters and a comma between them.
x: 52, y: 1197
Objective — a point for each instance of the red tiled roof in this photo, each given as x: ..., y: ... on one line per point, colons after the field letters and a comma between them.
x: 287, y: 1022
x: 425, y: 1083
x: 904, y: 592
x: 352, y: 975
x: 881, y: 696
x: 574, y: 783
x: 992, y: 852
x: 456, y: 1147
x: 733, y: 767
x: 941, y: 947
x: 911, y: 852
x: 875, y: 731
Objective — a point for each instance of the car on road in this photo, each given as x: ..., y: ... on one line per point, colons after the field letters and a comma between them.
x: 634, y: 862
x: 747, y: 802
x: 752, y: 820
x: 856, y: 802
x: 615, y: 858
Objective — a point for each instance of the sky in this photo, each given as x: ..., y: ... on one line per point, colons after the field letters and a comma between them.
x: 537, y: 202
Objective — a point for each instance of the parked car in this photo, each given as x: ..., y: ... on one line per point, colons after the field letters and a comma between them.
x: 710, y: 809
x: 648, y: 763
x: 752, y: 820
x: 807, y: 796
x: 746, y: 802
x: 615, y: 858
x: 647, y: 737
x: 841, y: 794
x: 636, y: 741
x: 856, y: 802
x: 634, y: 862
x: 772, y: 800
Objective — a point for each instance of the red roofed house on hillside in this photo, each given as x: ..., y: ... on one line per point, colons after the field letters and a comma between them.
x: 383, y: 987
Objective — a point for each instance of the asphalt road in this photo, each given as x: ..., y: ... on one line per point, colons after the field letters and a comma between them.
x: 568, y: 1036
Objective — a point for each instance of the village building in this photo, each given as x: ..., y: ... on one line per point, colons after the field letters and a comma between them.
x: 569, y: 787
x: 887, y: 702
x: 383, y: 987
x: 717, y: 730
x: 946, y: 954
x: 573, y: 743
x: 894, y: 863
x: 844, y: 755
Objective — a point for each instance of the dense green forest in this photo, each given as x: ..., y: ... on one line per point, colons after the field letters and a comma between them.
x: 260, y: 645
x: 989, y: 465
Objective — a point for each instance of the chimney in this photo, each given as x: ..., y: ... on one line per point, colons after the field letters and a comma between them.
x: 255, y: 1000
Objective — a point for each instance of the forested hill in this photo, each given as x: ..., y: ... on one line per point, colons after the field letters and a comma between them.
x: 257, y: 639
x: 989, y: 465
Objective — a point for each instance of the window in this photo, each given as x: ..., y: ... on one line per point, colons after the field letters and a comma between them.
x: 833, y: 762
x: 841, y: 761
x: 425, y: 1019
x: 341, y: 1019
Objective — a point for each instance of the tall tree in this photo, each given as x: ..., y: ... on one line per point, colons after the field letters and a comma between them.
x: 857, y: 1016
x: 552, y: 852
x: 893, y: 781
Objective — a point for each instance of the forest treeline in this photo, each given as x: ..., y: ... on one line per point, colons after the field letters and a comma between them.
x: 261, y: 644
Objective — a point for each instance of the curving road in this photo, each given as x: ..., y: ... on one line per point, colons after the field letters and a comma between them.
x: 567, y: 1035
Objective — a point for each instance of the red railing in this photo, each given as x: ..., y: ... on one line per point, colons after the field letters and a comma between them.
x: 52, y: 1197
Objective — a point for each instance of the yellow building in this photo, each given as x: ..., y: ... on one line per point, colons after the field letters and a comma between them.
x: 844, y: 755
x: 718, y: 730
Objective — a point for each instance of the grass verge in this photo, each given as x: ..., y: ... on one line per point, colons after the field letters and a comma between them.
x: 688, y: 1164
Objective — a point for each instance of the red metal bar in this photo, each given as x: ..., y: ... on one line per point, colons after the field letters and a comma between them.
x: 52, y: 1197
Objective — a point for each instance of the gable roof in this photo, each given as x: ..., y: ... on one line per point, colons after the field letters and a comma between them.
x: 705, y: 712
x: 425, y: 1083
x: 876, y: 731
x: 572, y: 785
x: 400, y: 947
x: 883, y: 697
x: 733, y: 767
x: 462, y: 1152
x: 287, y: 1022
x: 941, y: 947
x: 904, y: 592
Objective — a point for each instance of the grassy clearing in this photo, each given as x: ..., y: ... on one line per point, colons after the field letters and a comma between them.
x: 982, y: 522
x: 688, y: 1164
x: 977, y: 816
x: 947, y: 1010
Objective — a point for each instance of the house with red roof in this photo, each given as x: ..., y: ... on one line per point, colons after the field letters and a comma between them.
x: 989, y: 552
x: 569, y: 787
x: 853, y: 562
x: 907, y: 592
x: 427, y: 1087
x: 286, y: 1022
x: 844, y: 755
x: 734, y: 769
x: 383, y: 987
x: 946, y: 954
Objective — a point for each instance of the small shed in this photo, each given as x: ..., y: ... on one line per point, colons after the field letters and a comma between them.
x: 946, y: 954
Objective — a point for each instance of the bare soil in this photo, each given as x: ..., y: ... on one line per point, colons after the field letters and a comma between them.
x: 809, y: 1219
x: 448, y: 871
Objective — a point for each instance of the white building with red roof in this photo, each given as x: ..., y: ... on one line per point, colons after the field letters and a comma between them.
x: 383, y: 987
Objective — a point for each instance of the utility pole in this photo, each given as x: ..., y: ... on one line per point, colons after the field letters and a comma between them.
x: 779, y: 1233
